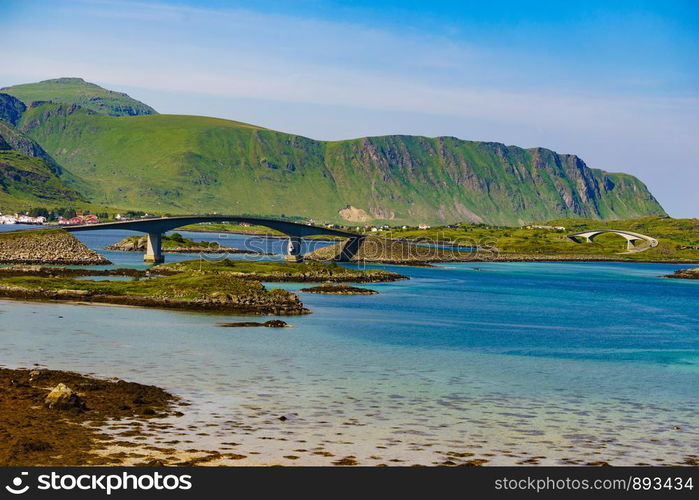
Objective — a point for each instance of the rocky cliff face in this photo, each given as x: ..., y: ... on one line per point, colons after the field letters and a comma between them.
x: 11, y: 108
x: 13, y: 139
x: 51, y: 246
x: 446, y: 179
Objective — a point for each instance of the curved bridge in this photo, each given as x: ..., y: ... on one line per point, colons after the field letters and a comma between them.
x: 628, y: 235
x: 155, y: 227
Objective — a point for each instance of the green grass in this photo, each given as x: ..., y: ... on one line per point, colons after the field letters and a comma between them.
x: 179, y: 286
x: 77, y: 91
x: 232, y: 228
x: 193, y: 164
x: 37, y: 233
x: 262, y: 270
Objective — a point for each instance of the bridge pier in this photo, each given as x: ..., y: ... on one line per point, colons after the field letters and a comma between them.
x: 350, y: 249
x: 154, y: 250
x: 293, y: 251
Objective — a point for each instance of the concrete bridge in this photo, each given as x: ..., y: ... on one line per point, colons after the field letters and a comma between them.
x: 628, y: 235
x: 155, y: 227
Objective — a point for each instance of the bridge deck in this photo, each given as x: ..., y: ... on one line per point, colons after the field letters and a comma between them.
x: 156, y: 226
x: 163, y: 224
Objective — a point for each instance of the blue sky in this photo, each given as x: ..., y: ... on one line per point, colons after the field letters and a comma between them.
x: 615, y: 82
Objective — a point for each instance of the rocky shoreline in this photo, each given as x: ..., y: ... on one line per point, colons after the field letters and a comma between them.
x: 685, y: 274
x: 51, y: 271
x: 46, y: 246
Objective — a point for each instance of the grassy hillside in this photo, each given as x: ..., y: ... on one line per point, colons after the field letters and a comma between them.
x: 185, y: 164
x: 78, y: 91
x: 27, y: 181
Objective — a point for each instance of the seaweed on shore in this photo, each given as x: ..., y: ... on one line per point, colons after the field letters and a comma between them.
x: 33, y: 434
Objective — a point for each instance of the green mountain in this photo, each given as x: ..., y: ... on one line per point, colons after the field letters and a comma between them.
x: 193, y: 164
x: 78, y: 91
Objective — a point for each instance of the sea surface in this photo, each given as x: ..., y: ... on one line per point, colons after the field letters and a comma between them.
x: 506, y: 363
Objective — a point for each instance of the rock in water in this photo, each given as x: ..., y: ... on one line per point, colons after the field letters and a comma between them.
x: 276, y: 323
x: 63, y: 397
x: 334, y: 289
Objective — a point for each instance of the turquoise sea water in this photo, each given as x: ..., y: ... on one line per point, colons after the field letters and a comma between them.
x: 565, y: 362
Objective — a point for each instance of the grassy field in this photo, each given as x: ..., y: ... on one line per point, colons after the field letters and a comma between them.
x: 177, y: 286
x: 275, y: 271
x: 233, y: 228
x: 678, y: 238
x: 35, y: 233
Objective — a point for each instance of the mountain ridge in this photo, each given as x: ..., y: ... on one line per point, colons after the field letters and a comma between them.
x: 180, y: 164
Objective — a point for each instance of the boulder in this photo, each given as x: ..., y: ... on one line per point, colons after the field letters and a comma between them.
x: 63, y: 397
x: 276, y: 323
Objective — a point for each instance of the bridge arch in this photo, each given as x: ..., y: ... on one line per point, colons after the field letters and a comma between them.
x: 156, y: 226
x: 629, y: 236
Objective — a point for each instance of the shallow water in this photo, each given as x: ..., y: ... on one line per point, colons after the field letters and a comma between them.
x: 567, y: 362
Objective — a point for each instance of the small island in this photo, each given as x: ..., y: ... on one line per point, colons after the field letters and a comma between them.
x: 226, y: 286
x: 205, y: 291
x: 334, y: 289
x: 685, y: 274
x: 176, y: 243
x: 46, y: 246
